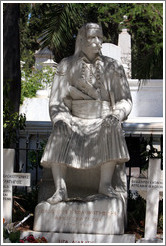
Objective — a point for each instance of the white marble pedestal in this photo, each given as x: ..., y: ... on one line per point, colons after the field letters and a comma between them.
x: 74, y: 238
x: 150, y: 240
x: 98, y: 214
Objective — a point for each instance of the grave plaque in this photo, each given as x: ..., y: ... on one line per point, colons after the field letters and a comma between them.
x: 81, y: 216
x: 153, y: 185
x: 11, y: 179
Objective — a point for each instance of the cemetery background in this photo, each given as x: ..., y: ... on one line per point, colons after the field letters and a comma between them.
x: 140, y: 129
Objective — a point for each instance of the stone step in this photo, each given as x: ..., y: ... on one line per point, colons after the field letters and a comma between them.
x: 61, y: 238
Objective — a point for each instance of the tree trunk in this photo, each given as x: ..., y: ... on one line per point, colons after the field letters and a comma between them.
x: 11, y: 56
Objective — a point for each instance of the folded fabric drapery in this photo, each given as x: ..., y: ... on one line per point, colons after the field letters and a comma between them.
x: 85, y: 147
x: 90, y: 109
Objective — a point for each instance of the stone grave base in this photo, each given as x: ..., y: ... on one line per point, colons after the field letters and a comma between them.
x: 96, y: 214
x: 80, y: 238
x: 152, y: 240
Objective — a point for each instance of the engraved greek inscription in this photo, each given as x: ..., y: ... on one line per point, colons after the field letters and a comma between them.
x: 7, y: 198
x: 63, y: 241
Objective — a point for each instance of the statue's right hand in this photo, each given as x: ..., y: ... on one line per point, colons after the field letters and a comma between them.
x: 59, y: 122
x: 62, y: 123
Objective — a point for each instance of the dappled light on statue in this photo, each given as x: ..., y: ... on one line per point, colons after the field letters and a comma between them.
x: 89, y: 100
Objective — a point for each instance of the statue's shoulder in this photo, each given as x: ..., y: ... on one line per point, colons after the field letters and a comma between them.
x: 112, y: 63
x: 64, y: 65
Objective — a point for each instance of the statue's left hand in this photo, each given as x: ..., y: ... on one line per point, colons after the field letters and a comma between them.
x: 119, y: 114
x: 112, y: 119
x: 63, y: 123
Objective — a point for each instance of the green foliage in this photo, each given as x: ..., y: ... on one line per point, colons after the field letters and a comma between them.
x: 10, y: 233
x: 145, y: 24
x: 160, y: 217
x: 60, y: 27
x: 146, y: 27
x: 136, y: 209
x: 57, y: 25
x: 35, y: 156
x: 160, y: 223
x: 11, y: 124
x: 29, y: 31
x: 14, y: 237
x: 5, y: 233
x: 31, y: 81
x: 136, y: 214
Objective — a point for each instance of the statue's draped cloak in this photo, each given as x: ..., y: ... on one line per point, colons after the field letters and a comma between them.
x: 86, y: 142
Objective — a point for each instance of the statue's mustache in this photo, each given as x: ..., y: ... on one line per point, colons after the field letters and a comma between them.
x: 96, y: 45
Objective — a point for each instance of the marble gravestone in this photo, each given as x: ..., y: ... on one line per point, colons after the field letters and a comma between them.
x: 152, y: 185
x: 86, y: 212
x: 86, y: 193
x: 11, y: 179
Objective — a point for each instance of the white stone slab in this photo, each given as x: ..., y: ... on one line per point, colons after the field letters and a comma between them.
x: 144, y: 184
x: 153, y: 185
x: 111, y: 50
x: 11, y: 179
x: 152, y: 200
x: 102, y: 215
x: 145, y: 104
x: 36, y: 109
x: 124, y: 42
x: 80, y: 238
x: 152, y: 240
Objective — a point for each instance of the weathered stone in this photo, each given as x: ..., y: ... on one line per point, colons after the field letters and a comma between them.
x: 75, y: 238
x: 11, y: 179
x: 96, y: 214
x: 151, y: 186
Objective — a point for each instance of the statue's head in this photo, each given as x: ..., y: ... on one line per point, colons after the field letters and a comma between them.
x: 89, y: 38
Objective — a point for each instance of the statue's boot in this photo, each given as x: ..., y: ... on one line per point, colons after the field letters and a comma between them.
x: 59, y: 174
x: 58, y: 196
x: 108, y: 190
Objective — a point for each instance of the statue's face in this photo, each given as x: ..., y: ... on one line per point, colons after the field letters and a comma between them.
x: 93, y: 41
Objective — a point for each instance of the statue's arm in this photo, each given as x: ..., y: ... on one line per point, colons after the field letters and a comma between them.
x: 122, y: 109
x: 57, y: 109
x: 121, y: 94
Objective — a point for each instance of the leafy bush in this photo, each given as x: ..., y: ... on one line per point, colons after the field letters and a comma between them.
x: 11, y: 124
x: 34, y: 80
x: 160, y: 218
x: 136, y: 209
x: 35, y: 156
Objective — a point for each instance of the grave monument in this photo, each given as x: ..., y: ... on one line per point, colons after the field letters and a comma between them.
x: 10, y: 179
x: 152, y: 186
x: 89, y: 100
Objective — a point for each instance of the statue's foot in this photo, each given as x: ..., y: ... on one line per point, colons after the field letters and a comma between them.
x: 108, y: 190
x: 59, y: 195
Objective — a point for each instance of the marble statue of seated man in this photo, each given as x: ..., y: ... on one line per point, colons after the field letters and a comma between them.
x: 90, y: 97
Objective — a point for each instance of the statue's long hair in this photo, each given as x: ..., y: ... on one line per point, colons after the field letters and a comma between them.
x: 82, y: 35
